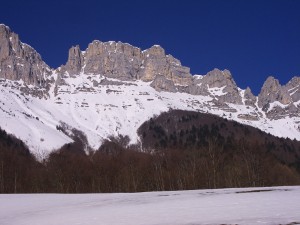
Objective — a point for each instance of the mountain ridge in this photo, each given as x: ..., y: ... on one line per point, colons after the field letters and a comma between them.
x: 126, y: 81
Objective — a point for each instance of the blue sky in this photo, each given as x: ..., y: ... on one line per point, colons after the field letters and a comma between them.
x: 253, y: 39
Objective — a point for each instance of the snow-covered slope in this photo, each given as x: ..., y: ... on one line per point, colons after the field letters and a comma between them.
x: 244, y: 206
x: 101, y: 107
x: 111, y: 88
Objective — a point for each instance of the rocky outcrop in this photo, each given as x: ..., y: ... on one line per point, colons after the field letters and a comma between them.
x: 126, y: 62
x: 277, y: 101
x: 112, y: 59
x: 153, y: 63
x: 161, y: 83
x: 75, y: 61
x: 19, y: 60
x: 156, y: 62
x: 249, y: 97
x: 293, y: 87
x: 272, y: 91
x: 220, y: 84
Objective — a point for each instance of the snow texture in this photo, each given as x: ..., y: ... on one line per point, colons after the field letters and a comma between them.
x: 217, y: 91
x: 251, y: 206
x: 101, y: 111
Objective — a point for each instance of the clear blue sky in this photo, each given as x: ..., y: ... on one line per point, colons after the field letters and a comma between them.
x: 253, y: 39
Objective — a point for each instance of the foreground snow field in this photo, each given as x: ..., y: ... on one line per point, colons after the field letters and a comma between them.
x: 276, y: 205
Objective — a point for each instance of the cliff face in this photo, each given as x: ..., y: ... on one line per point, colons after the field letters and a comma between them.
x: 272, y: 91
x: 19, y: 60
x: 124, y: 62
x: 111, y: 88
x: 128, y: 63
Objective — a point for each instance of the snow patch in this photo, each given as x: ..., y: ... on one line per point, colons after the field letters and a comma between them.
x: 216, y: 91
x: 276, y: 104
x: 105, y: 110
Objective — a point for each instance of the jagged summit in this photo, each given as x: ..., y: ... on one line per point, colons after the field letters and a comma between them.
x: 111, y: 88
x: 293, y: 87
x: 249, y: 97
x: 126, y: 62
x: 20, y: 61
x: 4, y: 26
x: 272, y: 91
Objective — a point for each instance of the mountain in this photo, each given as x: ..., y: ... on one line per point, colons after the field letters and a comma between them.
x: 112, y: 88
x: 178, y: 129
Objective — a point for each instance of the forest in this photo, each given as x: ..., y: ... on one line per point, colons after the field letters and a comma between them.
x: 178, y: 151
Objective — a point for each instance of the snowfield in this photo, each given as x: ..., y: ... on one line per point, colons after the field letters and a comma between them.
x: 112, y: 109
x: 270, y: 206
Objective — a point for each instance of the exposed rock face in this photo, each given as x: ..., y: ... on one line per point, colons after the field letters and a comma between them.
x: 20, y: 61
x: 276, y: 100
x: 223, y: 81
x: 272, y: 91
x: 179, y: 74
x: 112, y: 59
x: 125, y: 62
x: 293, y: 87
x: 156, y: 62
x: 161, y: 83
x: 75, y: 61
x: 250, y: 99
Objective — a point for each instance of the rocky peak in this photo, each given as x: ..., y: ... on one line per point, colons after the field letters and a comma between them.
x: 294, y: 82
x: 155, y: 50
x: 75, y: 61
x: 293, y: 87
x: 126, y: 62
x: 249, y: 97
x: 248, y: 93
x: 156, y: 63
x: 272, y: 91
x: 20, y: 61
x: 226, y: 73
x: 5, y: 46
x: 221, y: 80
x: 112, y: 59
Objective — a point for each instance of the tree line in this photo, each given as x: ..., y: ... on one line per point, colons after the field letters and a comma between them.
x: 217, y: 163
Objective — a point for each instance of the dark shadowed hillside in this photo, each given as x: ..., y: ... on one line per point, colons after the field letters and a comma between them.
x: 178, y: 150
x: 19, y: 170
x: 191, y: 130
